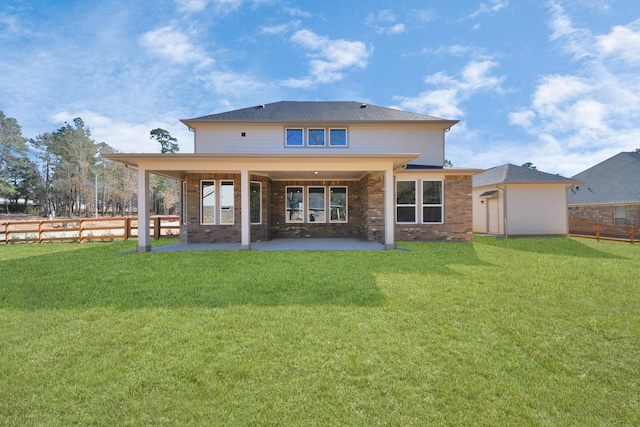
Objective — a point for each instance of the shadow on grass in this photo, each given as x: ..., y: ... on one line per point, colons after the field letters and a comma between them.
x: 95, y: 277
x: 546, y: 245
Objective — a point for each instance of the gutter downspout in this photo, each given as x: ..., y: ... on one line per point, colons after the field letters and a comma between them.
x: 504, y: 207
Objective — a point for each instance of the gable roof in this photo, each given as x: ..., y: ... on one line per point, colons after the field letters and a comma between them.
x: 615, y: 180
x: 517, y: 174
x: 318, y: 111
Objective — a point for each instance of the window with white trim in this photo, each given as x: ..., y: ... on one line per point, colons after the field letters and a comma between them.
x: 337, y: 137
x: 620, y: 215
x: 207, y: 202
x: 227, y: 202
x: 255, y: 202
x: 315, y: 137
x: 406, y: 202
x: 338, y: 204
x: 294, y: 137
x: 317, y: 204
x: 432, y: 193
x: 294, y: 201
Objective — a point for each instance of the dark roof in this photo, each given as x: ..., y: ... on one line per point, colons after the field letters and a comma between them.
x: 516, y: 174
x: 317, y: 111
x: 615, y: 180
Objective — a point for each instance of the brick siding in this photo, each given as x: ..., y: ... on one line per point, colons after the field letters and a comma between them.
x: 603, y: 214
x: 458, y: 216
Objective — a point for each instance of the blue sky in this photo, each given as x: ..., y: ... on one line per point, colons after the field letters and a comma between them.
x: 555, y: 83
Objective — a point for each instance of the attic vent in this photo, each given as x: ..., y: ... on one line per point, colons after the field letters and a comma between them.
x: 363, y: 105
x: 260, y: 106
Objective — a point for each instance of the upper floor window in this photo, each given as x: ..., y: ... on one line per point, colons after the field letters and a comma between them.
x: 294, y: 137
x: 316, y: 137
x: 338, y: 137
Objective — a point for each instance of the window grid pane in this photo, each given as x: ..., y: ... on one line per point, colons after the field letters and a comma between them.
x: 338, y: 137
x: 315, y: 137
x: 432, y: 202
x: 294, y: 138
x: 405, y: 201
x: 255, y: 203
x: 295, y: 204
x: 208, y: 202
x: 338, y: 204
x: 226, y: 202
x: 316, y: 204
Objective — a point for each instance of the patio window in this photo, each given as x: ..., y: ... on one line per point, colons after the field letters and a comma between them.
x: 294, y: 137
x: 317, y: 204
x: 315, y: 137
x: 226, y: 202
x: 338, y: 204
x: 207, y: 202
x: 620, y: 215
x: 406, y: 202
x: 295, y: 204
x: 255, y: 202
x: 432, y: 202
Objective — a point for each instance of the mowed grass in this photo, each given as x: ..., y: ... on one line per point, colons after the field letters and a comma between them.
x: 498, y: 332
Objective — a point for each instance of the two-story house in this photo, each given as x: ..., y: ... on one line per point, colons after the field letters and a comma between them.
x: 313, y: 169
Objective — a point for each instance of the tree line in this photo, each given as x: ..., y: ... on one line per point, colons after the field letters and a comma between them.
x: 64, y: 173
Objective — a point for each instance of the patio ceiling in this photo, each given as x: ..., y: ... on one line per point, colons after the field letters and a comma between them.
x: 276, y: 166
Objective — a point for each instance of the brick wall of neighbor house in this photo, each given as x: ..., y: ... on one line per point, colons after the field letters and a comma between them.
x: 603, y: 214
x: 458, y: 221
x: 281, y: 229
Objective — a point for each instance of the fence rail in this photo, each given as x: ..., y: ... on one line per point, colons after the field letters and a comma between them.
x: 84, y: 229
x: 592, y: 230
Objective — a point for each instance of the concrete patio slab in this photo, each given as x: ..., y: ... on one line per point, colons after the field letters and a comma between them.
x: 301, y: 244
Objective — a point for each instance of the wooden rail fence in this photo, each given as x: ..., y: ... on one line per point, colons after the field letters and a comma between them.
x: 84, y: 229
x: 592, y: 230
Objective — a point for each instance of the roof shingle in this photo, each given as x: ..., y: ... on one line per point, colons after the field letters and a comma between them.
x: 615, y: 180
x: 316, y: 111
x: 516, y: 174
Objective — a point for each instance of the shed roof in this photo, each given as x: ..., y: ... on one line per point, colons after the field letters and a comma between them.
x: 509, y: 173
x: 318, y: 111
x: 615, y: 180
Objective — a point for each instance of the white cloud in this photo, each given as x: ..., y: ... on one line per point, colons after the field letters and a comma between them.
x: 586, y: 116
x: 622, y: 43
x: 295, y: 11
x: 453, y: 91
x: 173, y: 45
x: 488, y: 8
x: 330, y: 58
x: 280, y: 29
x: 233, y: 84
x: 385, y: 22
x: 196, y: 6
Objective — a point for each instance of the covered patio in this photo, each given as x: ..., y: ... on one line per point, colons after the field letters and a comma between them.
x: 276, y: 168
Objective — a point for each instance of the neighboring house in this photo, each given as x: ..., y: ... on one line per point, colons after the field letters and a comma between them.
x: 518, y: 201
x: 313, y: 169
x: 610, y: 193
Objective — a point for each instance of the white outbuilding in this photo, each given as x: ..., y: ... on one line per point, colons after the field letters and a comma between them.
x: 512, y: 200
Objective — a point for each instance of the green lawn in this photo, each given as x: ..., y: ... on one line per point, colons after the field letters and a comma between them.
x: 498, y: 332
